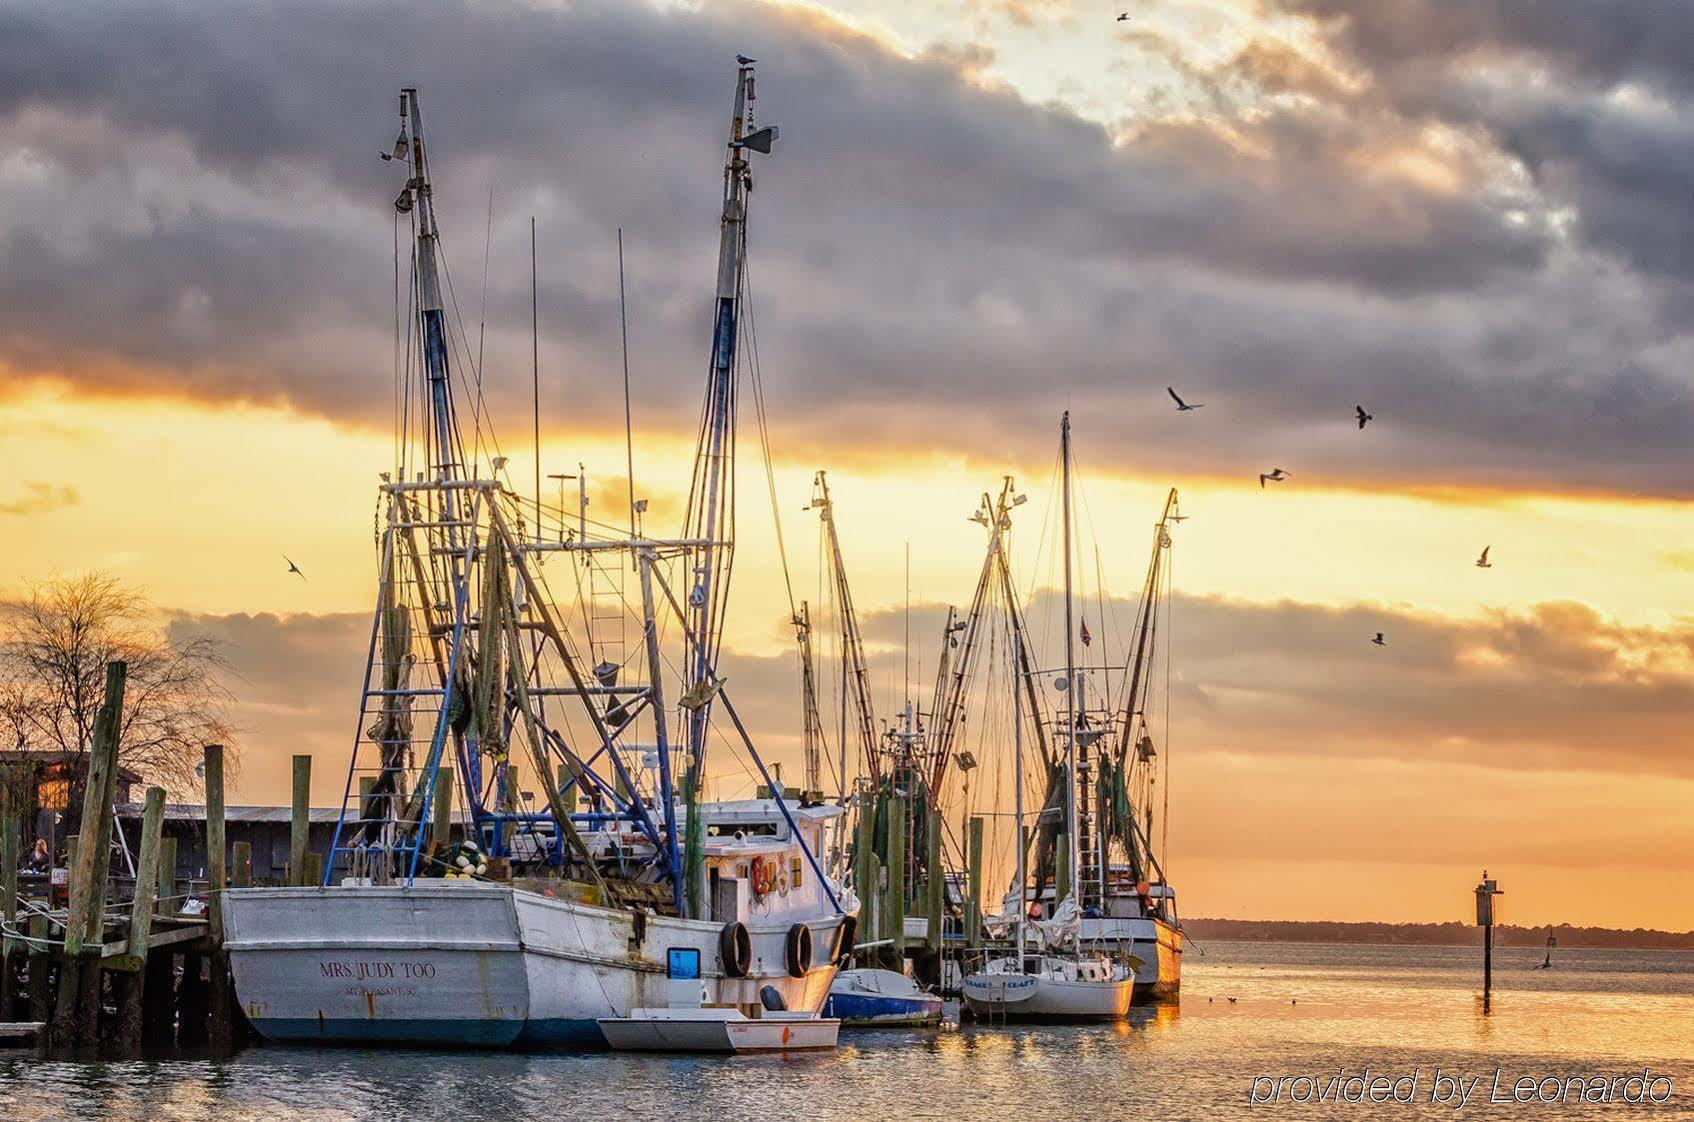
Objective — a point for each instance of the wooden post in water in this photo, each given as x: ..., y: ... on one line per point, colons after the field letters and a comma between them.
x: 222, y: 995
x: 241, y: 865
x: 8, y: 898
x: 76, y: 1018
x: 865, y: 871
x: 134, y: 962
x: 936, y: 898
x: 216, y: 868
x: 40, y: 965
x: 167, y: 877
x: 300, y: 820
x: 973, y: 908
x: 896, y: 893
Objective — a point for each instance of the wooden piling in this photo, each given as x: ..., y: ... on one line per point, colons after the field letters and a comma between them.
x: 192, y: 999
x: 300, y: 820
x: 40, y: 964
x: 973, y: 862
x: 241, y: 865
x: 168, y: 903
x: 140, y: 925
x: 441, y: 826
x: 936, y: 896
x: 216, y: 867
x: 221, y: 996
x: 865, y: 874
x: 896, y: 893
x: 76, y: 1017
x: 8, y: 903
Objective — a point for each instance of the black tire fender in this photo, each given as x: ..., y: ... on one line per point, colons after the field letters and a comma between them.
x: 797, y: 950
x: 735, y: 947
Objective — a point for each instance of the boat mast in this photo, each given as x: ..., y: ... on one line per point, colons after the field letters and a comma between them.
x: 445, y: 459
x: 1017, y: 790
x: 711, y: 509
x: 852, y: 641
x: 1072, y: 816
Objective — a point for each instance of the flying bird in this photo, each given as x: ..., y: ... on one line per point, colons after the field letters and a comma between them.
x: 1181, y: 405
x: 1274, y: 475
x: 1231, y: 1000
x: 1364, y: 418
x: 1483, y: 562
x: 1379, y: 640
x: 295, y: 569
x: 1123, y: 17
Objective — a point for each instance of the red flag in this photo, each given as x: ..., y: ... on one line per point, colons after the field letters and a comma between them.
x: 1086, y: 637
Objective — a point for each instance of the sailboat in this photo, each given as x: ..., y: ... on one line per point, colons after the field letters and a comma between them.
x: 617, y: 888
x: 1067, y: 978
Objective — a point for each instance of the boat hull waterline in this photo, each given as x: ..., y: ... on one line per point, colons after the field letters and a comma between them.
x: 477, y: 965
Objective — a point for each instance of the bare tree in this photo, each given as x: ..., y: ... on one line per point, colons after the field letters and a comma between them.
x: 54, y: 647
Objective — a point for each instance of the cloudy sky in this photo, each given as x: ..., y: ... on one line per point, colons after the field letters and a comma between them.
x: 1477, y: 220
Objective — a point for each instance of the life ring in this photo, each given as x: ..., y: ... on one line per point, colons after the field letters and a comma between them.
x: 844, y: 937
x: 735, y: 947
x: 764, y: 874
x: 797, y: 950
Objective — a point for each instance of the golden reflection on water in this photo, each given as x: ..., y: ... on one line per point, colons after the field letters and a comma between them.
x: 1298, y: 1010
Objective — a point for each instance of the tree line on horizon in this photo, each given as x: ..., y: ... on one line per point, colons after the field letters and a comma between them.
x: 1452, y: 933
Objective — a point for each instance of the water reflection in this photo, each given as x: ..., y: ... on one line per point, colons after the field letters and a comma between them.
x: 1298, y: 1010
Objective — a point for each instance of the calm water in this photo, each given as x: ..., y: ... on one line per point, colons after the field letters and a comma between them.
x: 1299, y: 1009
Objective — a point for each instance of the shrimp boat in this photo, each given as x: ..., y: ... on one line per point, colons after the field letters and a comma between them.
x: 549, y: 913
x: 1104, y: 934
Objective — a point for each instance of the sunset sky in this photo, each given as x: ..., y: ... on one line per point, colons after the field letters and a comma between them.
x: 1476, y: 219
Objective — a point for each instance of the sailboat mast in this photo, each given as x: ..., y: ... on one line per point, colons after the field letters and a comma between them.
x: 1017, y: 788
x: 1071, y: 809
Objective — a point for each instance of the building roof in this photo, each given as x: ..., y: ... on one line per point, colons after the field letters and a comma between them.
x: 196, y: 812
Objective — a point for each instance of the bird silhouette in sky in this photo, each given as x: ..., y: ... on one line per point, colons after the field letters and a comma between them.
x: 1274, y: 475
x: 1379, y: 640
x: 1483, y: 562
x: 1364, y: 418
x: 1181, y: 405
x: 1122, y: 17
x: 295, y: 569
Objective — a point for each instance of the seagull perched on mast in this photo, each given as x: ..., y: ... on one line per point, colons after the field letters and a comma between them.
x: 1483, y: 562
x: 295, y: 569
x: 745, y: 61
x: 1181, y: 405
x: 1274, y: 475
x: 1364, y: 418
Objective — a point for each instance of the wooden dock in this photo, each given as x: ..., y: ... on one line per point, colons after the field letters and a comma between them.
x: 127, y: 966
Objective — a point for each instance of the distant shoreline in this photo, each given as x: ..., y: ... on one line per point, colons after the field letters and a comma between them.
x: 1433, y: 934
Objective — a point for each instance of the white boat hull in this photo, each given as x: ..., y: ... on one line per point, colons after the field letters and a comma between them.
x: 718, y: 1030
x: 1156, y: 943
x: 1037, y: 998
x: 481, y: 965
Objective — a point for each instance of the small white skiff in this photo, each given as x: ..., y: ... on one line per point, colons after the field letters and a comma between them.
x: 719, y: 1030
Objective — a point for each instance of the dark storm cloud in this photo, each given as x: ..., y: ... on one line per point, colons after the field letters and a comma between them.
x: 193, y: 205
